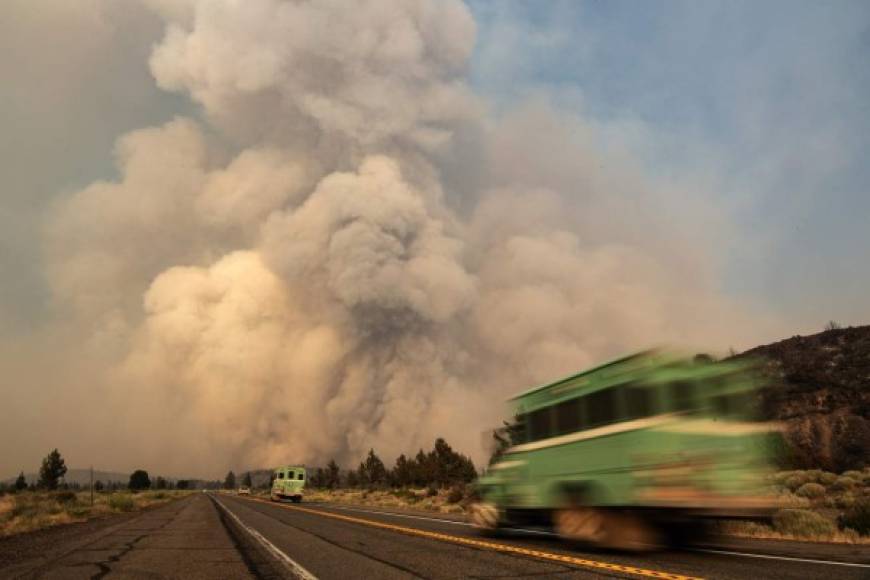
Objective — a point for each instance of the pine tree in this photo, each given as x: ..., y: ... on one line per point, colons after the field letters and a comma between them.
x: 333, y: 474
x: 230, y: 481
x: 246, y: 481
x: 20, y: 482
x: 52, y: 470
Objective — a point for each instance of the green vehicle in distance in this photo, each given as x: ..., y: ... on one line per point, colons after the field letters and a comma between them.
x: 289, y: 483
x: 632, y: 454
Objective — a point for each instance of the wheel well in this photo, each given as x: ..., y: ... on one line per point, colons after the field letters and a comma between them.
x: 574, y: 493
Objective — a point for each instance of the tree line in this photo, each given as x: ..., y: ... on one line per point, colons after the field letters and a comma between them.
x: 53, y: 469
x: 440, y: 467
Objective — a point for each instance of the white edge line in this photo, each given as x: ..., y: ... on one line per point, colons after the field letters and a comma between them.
x: 789, y: 558
x: 294, y: 567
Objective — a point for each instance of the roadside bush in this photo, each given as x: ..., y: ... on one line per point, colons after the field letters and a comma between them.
x: 857, y: 517
x: 65, y: 497
x: 853, y: 474
x: 432, y: 490
x: 826, y: 478
x: 793, y: 482
x: 121, y: 502
x: 811, y: 490
x: 844, y: 483
x: 802, y: 523
x: 456, y: 494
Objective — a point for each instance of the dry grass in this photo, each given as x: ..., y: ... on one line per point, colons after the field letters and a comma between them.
x: 443, y: 501
x: 29, y: 511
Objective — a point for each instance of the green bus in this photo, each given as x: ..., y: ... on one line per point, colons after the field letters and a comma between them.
x: 634, y: 453
x: 288, y: 483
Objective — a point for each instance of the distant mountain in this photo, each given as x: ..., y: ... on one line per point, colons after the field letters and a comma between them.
x: 80, y: 476
x: 819, y: 386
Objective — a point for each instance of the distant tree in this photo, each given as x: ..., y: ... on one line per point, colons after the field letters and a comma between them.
x: 182, y: 484
x: 450, y: 466
x: 372, y: 471
x: 352, y: 478
x: 160, y: 483
x: 20, y: 482
x: 52, y: 470
x: 230, y: 481
x: 98, y: 485
x: 139, y: 480
x: 246, y: 481
x: 403, y: 472
x: 317, y: 478
x: 703, y: 358
x: 423, y: 469
x: 833, y: 325
x: 333, y: 475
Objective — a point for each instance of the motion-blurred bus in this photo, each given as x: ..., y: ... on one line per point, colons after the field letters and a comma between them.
x: 634, y: 453
x: 288, y: 483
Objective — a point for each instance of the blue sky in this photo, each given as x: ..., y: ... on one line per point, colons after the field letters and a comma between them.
x: 770, y: 99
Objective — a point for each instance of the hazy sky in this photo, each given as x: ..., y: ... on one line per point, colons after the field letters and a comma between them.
x: 707, y: 161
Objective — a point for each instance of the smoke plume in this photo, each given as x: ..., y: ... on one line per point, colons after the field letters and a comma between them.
x: 349, y: 250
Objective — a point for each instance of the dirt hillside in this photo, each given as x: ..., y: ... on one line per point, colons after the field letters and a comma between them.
x: 819, y: 385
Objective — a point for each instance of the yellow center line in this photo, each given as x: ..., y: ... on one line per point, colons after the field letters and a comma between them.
x: 484, y: 545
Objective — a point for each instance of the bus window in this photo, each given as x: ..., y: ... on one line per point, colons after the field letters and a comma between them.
x: 539, y: 424
x: 301, y: 477
x: 638, y: 401
x: 280, y: 475
x: 289, y: 475
x: 568, y: 417
x: 681, y: 396
x: 601, y: 407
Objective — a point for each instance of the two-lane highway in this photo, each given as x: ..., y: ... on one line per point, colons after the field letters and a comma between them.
x: 330, y: 541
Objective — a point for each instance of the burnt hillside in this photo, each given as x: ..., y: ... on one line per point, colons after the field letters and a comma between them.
x: 819, y: 385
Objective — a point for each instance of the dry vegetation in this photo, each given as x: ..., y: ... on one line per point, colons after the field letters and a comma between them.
x: 33, y: 510
x: 453, y: 500
x: 817, y: 506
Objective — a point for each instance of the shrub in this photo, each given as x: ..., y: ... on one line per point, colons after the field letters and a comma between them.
x: 811, y: 490
x: 844, y: 483
x: 857, y: 517
x: 121, y: 502
x: 827, y: 478
x: 432, y: 490
x: 802, y: 523
x: 793, y: 482
x: 456, y: 493
x: 65, y: 497
x: 853, y: 474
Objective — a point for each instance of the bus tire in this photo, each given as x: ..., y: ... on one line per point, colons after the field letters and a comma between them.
x: 631, y: 532
x: 581, y: 524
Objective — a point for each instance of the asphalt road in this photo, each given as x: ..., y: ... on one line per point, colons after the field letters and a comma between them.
x: 224, y: 536
x: 330, y: 541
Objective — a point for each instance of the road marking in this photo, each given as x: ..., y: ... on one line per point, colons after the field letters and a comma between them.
x: 439, y: 520
x: 788, y: 558
x: 480, y: 544
x: 295, y: 568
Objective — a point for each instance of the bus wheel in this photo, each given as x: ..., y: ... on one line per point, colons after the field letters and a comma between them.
x: 484, y: 517
x: 630, y: 532
x: 581, y: 524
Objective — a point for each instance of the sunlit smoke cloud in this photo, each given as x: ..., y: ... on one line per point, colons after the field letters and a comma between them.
x: 294, y: 279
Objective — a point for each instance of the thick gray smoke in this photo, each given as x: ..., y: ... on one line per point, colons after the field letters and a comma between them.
x: 351, y: 251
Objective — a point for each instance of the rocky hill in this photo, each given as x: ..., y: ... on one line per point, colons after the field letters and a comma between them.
x: 819, y: 385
